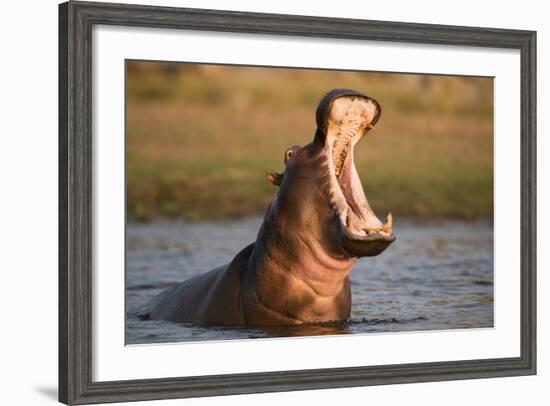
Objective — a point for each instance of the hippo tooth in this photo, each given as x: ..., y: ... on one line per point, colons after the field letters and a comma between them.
x: 374, y: 230
x: 385, y: 229
x: 359, y: 233
x: 344, y: 217
x: 389, y: 223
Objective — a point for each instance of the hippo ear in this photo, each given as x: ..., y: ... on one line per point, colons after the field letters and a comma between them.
x: 274, y: 178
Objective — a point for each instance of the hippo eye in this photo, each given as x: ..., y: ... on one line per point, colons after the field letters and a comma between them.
x: 289, y: 154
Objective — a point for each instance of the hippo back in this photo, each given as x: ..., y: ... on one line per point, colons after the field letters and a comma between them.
x: 211, y: 298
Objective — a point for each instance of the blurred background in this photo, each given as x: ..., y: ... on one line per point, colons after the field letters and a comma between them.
x: 201, y: 137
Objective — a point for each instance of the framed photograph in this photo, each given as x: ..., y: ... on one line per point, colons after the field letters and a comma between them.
x: 259, y: 202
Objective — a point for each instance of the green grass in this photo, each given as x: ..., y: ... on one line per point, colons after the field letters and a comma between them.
x: 200, y: 139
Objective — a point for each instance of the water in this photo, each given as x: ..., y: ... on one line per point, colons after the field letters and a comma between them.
x: 437, y: 275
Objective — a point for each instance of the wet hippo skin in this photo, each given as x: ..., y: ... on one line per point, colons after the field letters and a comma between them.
x: 316, y: 226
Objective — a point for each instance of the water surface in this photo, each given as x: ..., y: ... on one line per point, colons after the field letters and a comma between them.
x: 437, y: 275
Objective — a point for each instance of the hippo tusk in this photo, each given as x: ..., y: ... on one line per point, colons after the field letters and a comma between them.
x: 389, y: 224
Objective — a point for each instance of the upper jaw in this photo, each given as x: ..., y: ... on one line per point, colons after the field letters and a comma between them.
x: 346, y: 118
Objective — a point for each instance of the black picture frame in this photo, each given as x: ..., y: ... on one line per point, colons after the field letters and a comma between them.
x: 76, y: 20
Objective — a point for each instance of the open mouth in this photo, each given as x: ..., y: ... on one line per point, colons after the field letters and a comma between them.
x: 348, y: 119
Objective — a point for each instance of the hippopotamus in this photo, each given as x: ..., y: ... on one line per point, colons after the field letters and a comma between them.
x: 315, y: 228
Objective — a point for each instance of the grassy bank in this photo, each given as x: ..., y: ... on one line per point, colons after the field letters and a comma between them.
x: 200, y: 138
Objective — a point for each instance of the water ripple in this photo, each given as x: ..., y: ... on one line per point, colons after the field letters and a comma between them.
x: 436, y: 276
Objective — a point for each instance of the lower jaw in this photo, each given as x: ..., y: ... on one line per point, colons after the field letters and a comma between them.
x: 368, y: 246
